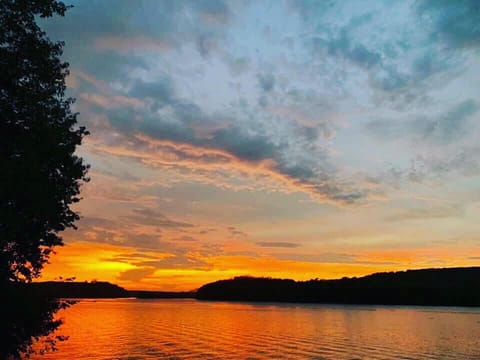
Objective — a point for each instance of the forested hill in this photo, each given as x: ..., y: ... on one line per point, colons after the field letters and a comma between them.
x: 97, y: 290
x: 94, y: 289
x: 447, y: 287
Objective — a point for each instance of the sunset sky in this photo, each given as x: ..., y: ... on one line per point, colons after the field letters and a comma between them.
x: 297, y: 139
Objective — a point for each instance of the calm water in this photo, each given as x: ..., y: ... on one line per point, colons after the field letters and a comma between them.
x: 189, y: 329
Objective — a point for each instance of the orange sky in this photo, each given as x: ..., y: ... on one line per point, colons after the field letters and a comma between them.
x: 288, y: 140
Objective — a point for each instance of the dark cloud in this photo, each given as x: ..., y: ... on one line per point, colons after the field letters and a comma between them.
x: 251, y: 254
x: 205, y: 44
x: 167, y: 115
x: 161, y: 90
x: 362, y: 56
x: 344, y: 47
x: 161, y: 127
x: 342, y: 44
x: 347, y: 197
x: 235, y: 232
x: 311, y: 10
x: 407, y: 79
x: 152, y: 217
x: 144, y: 241
x: 266, y: 81
x: 455, y: 22
x: 186, y: 238
x: 206, y: 231
x: 444, y: 129
x: 464, y: 161
x: 129, y: 258
x: 188, y: 112
x: 110, y: 66
x: 277, y: 244
x: 238, y: 65
x: 424, y: 167
x: 251, y: 147
x: 453, y: 125
x: 297, y: 171
x: 317, y: 176
x: 96, y: 222
x: 88, y: 20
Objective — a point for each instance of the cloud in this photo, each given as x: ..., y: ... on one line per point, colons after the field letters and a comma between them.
x: 266, y: 81
x: 250, y: 147
x: 142, y: 229
x: 170, y: 72
x: 456, y: 23
x: 181, y: 260
x: 136, y: 274
x: 453, y: 124
x: 175, y: 121
x: 110, y: 102
x: 185, y: 238
x: 464, y: 161
x: 277, y: 244
x: 137, y: 98
x: 402, y: 59
x: 152, y: 217
x: 235, y: 232
x: 443, y: 128
x: 161, y: 90
x: 212, y: 8
x: 125, y: 44
x: 342, y: 46
x: 433, y: 212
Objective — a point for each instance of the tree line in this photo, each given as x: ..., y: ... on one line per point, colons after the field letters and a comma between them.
x: 429, y: 287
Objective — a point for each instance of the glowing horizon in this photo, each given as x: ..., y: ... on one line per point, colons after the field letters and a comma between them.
x: 290, y: 139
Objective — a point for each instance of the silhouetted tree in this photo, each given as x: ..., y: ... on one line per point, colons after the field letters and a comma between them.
x: 40, y: 177
x: 28, y: 321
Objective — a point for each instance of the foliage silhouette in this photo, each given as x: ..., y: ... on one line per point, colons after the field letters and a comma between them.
x: 28, y: 321
x: 40, y: 175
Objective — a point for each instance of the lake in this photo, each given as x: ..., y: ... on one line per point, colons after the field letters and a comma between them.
x: 190, y: 329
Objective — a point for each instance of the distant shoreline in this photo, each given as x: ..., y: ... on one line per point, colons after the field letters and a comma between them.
x: 427, y: 287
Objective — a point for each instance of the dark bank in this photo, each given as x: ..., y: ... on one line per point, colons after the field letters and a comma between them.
x: 426, y: 287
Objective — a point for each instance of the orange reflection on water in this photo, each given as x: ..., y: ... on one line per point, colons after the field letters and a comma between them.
x: 189, y: 329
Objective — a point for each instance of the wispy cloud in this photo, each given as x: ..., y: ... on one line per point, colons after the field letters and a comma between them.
x: 277, y: 244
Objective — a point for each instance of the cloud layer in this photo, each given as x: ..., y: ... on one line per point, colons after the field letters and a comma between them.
x: 211, y: 119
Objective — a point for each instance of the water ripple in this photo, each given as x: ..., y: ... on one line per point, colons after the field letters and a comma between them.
x: 187, y: 329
